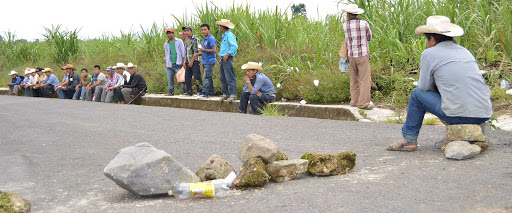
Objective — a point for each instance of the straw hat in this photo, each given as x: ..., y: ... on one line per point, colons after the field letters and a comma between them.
x: 131, y: 65
x: 120, y: 65
x: 353, y: 9
x: 440, y: 25
x: 252, y: 66
x: 69, y: 66
x: 47, y: 70
x: 13, y: 73
x: 225, y: 23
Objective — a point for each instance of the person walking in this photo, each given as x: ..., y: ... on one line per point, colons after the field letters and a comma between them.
x: 358, y: 34
x: 228, y: 50
x: 174, y: 59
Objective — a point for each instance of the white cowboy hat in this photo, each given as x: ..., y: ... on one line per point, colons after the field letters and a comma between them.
x: 27, y: 72
x: 131, y: 65
x: 13, y: 73
x: 440, y: 25
x: 353, y: 9
x: 120, y: 65
x: 32, y: 70
x: 225, y: 23
x: 252, y: 66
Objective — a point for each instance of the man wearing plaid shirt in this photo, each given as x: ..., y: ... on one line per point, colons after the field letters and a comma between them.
x: 357, y: 34
x: 192, y: 61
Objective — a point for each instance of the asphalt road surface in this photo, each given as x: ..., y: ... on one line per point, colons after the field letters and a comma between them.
x: 53, y: 152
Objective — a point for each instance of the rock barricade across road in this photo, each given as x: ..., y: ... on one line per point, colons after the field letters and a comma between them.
x: 330, y: 164
x: 144, y: 170
x: 286, y: 170
x: 214, y: 168
x: 257, y: 146
x: 252, y: 174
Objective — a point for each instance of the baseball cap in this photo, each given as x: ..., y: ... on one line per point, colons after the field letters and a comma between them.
x: 169, y: 30
x: 187, y: 27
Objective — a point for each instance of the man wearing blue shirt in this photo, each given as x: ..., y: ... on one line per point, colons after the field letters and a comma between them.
x: 227, y: 52
x: 208, y: 52
x: 14, y: 86
x: 48, y: 85
x: 258, y: 88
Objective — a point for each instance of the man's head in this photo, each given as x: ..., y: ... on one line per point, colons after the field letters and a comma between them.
x: 120, y: 67
x: 223, y: 29
x: 251, y: 68
x: 351, y: 16
x: 434, y: 39
x: 205, y: 30
x: 439, y: 29
x: 33, y: 72
x: 170, y: 33
x: 97, y: 69
x: 131, y: 68
x: 39, y: 72
x: 188, y: 31
x: 225, y: 25
x: 110, y: 71
x: 352, y: 11
x: 84, y: 72
x: 47, y: 71
x: 69, y: 68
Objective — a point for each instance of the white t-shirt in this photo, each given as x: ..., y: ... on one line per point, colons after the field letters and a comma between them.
x: 103, y: 79
x: 127, y: 74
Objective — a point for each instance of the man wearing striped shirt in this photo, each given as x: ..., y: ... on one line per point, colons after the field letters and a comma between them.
x: 358, y: 34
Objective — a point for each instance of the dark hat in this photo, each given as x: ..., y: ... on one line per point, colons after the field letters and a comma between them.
x: 187, y: 27
x: 39, y: 69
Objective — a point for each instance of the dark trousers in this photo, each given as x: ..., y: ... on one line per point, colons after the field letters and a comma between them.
x: 69, y: 92
x: 257, y: 102
x: 47, y: 90
x: 196, y: 71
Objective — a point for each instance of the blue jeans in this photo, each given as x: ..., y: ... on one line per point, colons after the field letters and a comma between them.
x: 257, y: 102
x: 208, y: 89
x: 60, y: 92
x: 227, y: 78
x: 421, y: 102
x: 195, y: 71
x: 171, y: 71
x: 80, y: 93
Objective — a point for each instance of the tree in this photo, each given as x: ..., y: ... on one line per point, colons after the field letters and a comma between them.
x: 298, y: 9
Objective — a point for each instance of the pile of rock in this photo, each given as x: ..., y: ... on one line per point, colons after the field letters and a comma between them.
x: 464, y: 141
x: 144, y: 170
x: 12, y: 202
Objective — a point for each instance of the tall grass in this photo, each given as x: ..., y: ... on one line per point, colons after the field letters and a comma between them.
x: 295, y: 50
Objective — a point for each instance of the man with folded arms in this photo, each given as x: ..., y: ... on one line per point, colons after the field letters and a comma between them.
x: 450, y: 84
x: 135, y: 86
x: 259, y: 89
x: 81, y: 89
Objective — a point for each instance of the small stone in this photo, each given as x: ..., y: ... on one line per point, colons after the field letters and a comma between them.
x: 214, y: 168
x: 281, y: 156
x: 252, y: 174
x: 285, y: 170
x: 144, y: 170
x: 484, y: 146
x: 12, y: 202
x: 330, y: 164
x: 464, y: 132
x: 258, y: 146
x: 460, y: 150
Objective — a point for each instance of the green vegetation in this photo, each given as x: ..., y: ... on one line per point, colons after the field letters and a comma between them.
x: 272, y: 110
x: 295, y: 50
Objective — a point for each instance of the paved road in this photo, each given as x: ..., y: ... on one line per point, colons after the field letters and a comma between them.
x: 53, y: 152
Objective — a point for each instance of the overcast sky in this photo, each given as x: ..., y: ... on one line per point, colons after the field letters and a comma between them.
x: 97, y: 17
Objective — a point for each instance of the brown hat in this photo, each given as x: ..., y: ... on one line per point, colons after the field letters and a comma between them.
x: 47, y: 70
x: 69, y: 66
x: 225, y: 23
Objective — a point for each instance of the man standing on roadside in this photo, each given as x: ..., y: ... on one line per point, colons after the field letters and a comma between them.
x: 174, y: 59
x: 227, y: 51
x: 208, y: 53
x: 192, y: 59
x: 357, y: 34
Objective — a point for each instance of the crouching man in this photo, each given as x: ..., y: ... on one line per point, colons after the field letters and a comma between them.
x: 258, y: 89
x: 135, y: 87
x: 450, y: 84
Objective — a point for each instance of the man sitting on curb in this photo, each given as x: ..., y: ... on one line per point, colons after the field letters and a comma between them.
x: 258, y: 89
x: 48, y: 85
x: 114, y: 82
x: 97, y: 87
x: 450, y: 84
x: 31, y: 83
x: 14, y: 86
x: 81, y: 89
x: 25, y: 82
x: 58, y: 88
x: 134, y: 86
x: 73, y: 80
x: 36, y: 91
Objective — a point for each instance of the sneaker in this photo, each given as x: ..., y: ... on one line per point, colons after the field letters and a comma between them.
x: 223, y: 98
x: 231, y: 99
x: 169, y: 94
x: 203, y: 97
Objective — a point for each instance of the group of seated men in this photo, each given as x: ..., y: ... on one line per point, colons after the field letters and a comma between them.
x: 121, y: 84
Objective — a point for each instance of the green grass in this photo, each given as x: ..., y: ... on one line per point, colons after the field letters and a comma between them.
x: 308, y: 48
x: 272, y: 110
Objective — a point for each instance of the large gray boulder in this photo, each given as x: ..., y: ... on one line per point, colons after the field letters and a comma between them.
x: 144, y: 170
x: 285, y: 170
x: 464, y: 132
x: 460, y: 150
x: 257, y: 146
x: 215, y: 168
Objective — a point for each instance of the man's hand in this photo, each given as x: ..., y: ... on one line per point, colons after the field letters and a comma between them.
x: 190, y: 64
x: 258, y: 94
x: 37, y: 86
x: 246, y: 78
x: 64, y: 88
x: 225, y: 58
x: 202, y: 49
x: 77, y: 86
x: 196, y: 54
x: 88, y: 88
x: 9, y: 84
